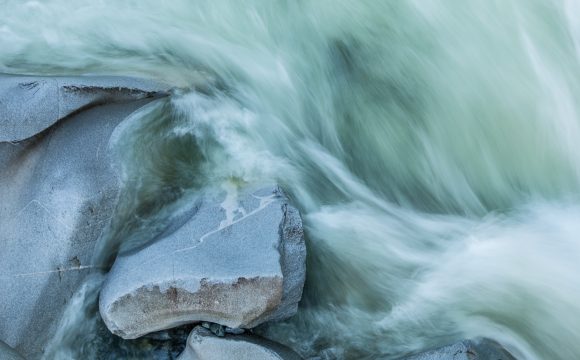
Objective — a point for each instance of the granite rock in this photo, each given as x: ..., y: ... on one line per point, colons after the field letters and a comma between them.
x: 238, y: 259
x: 476, y: 349
x: 58, y: 192
x: 8, y: 353
x: 203, y: 345
x: 31, y: 104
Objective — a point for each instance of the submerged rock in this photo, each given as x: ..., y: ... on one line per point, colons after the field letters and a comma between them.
x: 58, y: 192
x: 203, y: 345
x: 477, y: 349
x: 238, y: 260
x: 31, y: 104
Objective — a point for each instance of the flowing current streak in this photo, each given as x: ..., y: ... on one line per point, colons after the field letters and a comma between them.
x: 432, y: 147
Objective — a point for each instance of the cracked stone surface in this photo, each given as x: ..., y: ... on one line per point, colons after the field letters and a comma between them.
x: 203, y: 345
x: 31, y: 104
x: 238, y: 261
x: 58, y: 192
x: 476, y: 349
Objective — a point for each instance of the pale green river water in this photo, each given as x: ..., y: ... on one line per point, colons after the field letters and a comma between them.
x: 433, y: 148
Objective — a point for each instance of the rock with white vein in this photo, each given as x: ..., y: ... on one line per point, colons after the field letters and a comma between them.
x: 58, y: 191
x: 238, y: 261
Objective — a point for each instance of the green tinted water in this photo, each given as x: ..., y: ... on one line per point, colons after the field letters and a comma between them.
x: 432, y: 147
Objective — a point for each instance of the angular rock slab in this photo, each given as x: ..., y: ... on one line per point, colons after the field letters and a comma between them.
x: 31, y: 104
x: 476, y: 349
x: 203, y: 345
x: 238, y: 260
x: 58, y: 192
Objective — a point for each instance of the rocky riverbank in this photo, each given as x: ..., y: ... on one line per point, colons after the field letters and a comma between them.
x: 232, y: 259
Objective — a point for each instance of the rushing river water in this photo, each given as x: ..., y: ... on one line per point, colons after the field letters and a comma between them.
x: 432, y: 146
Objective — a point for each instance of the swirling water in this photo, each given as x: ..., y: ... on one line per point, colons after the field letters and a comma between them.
x: 432, y: 146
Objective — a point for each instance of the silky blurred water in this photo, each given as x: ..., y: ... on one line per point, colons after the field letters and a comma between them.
x: 432, y: 147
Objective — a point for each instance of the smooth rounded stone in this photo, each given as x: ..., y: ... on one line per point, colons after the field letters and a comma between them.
x: 238, y: 260
x: 8, y: 353
x: 476, y: 349
x: 31, y: 104
x: 58, y: 193
x: 203, y: 345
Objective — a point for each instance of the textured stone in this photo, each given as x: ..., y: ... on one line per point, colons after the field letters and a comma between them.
x: 477, y: 349
x: 203, y: 345
x: 8, y: 353
x: 31, y: 104
x: 58, y: 191
x: 238, y: 261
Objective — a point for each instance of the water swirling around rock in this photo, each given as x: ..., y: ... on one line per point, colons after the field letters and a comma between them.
x: 431, y: 146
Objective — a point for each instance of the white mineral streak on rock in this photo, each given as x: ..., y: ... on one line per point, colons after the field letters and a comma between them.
x: 58, y: 192
x: 240, y: 272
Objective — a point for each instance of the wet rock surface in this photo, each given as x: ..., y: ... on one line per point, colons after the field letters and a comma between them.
x: 163, y: 345
x: 238, y: 260
x: 31, y: 104
x: 203, y: 345
x: 8, y: 353
x: 476, y: 349
x: 58, y: 192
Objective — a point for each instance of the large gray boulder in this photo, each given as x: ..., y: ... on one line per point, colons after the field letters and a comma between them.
x: 58, y: 192
x: 31, y: 104
x: 238, y: 260
x: 203, y: 345
x: 476, y: 349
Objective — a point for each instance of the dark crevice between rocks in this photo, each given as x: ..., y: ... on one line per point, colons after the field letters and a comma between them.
x: 160, y: 345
